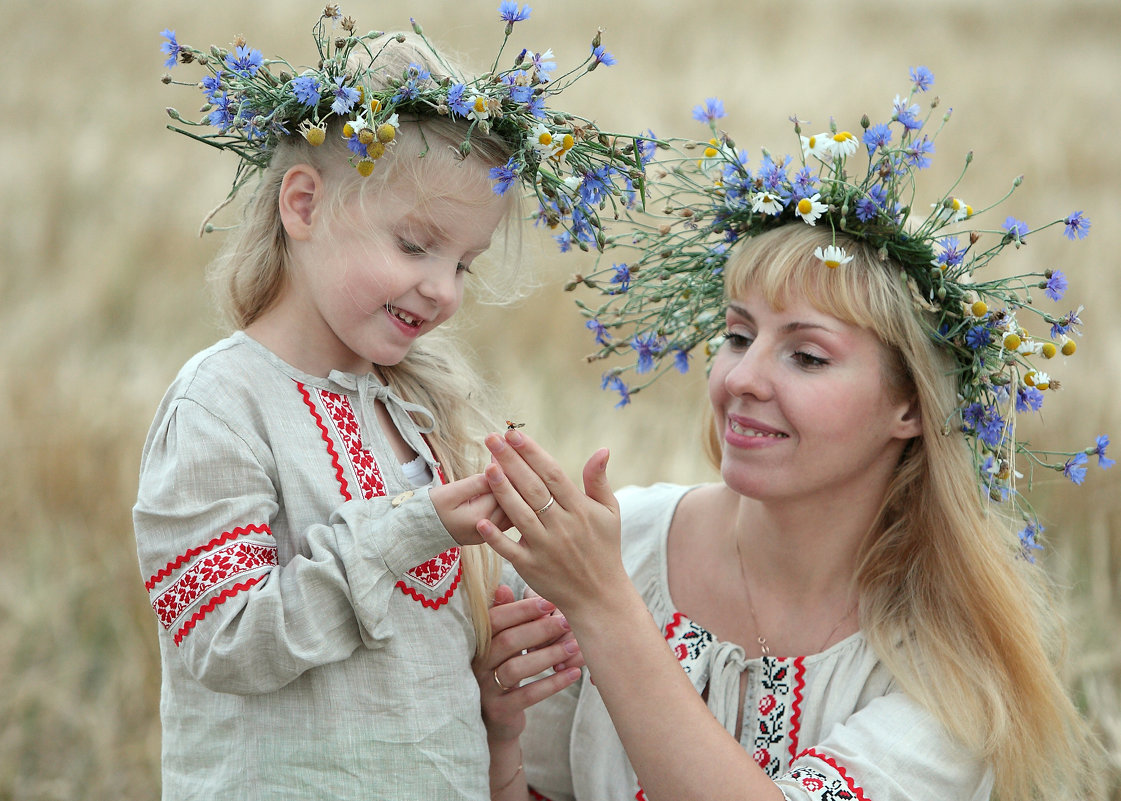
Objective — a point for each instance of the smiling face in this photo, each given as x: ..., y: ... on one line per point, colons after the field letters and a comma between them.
x: 801, y: 403
x: 369, y: 278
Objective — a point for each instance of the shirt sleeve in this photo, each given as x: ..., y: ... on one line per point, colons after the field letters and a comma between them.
x: 891, y: 750
x: 243, y: 622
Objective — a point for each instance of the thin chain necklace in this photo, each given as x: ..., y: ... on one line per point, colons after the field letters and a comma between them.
x: 765, y: 649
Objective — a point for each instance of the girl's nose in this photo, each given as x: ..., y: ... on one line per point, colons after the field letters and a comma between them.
x: 442, y: 286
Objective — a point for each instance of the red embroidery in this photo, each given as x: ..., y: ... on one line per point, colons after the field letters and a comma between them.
x: 191, y: 553
x: 429, y: 602
x: 213, y: 570
x: 640, y: 795
x: 327, y: 440
x: 687, y: 640
x: 346, y: 426
x: 536, y: 796
x: 221, y: 598
x: 825, y: 787
x: 433, y: 571
x: 796, y: 706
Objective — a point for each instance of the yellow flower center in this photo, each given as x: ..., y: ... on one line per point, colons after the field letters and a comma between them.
x: 366, y: 136
x: 364, y: 167
x: 1011, y: 341
x: 979, y: 308
x: 567, y: 142
x: 1049, y: 350
x: 843, y: 136
x: 375, y: 150
x: 386, y: 133
x: 832, y: 264
x: 1069, y: 347
x: 805, y: 206
x: 480, y: 104
x: 545, y: 139
x: 315, y: 136
x: 348, y: 130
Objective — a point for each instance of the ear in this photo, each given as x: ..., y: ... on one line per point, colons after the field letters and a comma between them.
x: 909, y: 424
x: 301, y: 191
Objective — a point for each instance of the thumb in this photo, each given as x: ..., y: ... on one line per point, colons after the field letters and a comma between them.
x: 596, y: 485
x: 503, y: 595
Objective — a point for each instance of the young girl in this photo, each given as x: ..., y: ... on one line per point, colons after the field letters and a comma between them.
x: 309, y: 489
x: 850, y: 613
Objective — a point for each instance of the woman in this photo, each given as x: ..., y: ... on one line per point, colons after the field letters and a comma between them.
x: 854, y: 618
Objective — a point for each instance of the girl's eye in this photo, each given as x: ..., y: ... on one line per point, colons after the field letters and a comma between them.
x: 408, y: 247
x: 463, y: 268
x: 808, y: 360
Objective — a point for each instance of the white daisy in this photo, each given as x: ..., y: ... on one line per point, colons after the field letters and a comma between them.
x: 809, y: 209
x: 767, y: 203
x: 543, y: 142
x: 842, y: 143
x: 479, y: 110
x: 833, y: 256
x: 816, y: 146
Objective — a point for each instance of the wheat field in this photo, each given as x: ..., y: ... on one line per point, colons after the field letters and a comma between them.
x: 102, y: 293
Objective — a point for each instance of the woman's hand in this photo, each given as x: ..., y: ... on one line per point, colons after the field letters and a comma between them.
x: 462, y: 504
x: 569, y: 546
x: 528, y: 639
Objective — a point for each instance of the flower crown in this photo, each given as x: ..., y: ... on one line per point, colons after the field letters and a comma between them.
x: 668, y: 299
x: 254, y: 103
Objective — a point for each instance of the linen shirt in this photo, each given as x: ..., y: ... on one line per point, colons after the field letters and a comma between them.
x: 312, y: 640
x: 831, y: 725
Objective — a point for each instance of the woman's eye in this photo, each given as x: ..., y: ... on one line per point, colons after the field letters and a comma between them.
x: 809, y: 360
x: 737, y: 341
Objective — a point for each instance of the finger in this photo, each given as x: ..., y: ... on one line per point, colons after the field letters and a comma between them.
x: 539, y: 634
x: 546, y: 468
x: 513, y: 504
x: 508, y: 549
x: 518, y: 668
x: 596, y: 485
x: 536, y: 691
x: 515, y: 613
x: 528, y: 484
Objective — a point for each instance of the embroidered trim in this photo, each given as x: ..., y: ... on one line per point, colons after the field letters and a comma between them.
x: 796, y: 705
x: 327, y: 440
x: 689, y: 643
x: 191, y: 553
x: 771, y: 724
x: 221, y: 598
x: 431, y: 603
x: 536, y: 796
x: 821, y: 785
x: 349, y: 433
x: 208, y: 573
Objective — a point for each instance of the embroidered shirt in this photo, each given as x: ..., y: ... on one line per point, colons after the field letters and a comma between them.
x: 825, y: 726
x: 312, y: 639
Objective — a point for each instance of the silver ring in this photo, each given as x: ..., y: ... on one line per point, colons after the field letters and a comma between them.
x: 498, y: 681
x: 545, y: 508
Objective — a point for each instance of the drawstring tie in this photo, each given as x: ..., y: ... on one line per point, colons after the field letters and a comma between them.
x: 727, y: 665
x: 370, y: 390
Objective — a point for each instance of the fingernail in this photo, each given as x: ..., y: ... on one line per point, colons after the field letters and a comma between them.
x: 494, y: 474
x: 563, y: 622
x: 545, y: 606
x: 515, y: 437
x: 571, y: 647
x: 495, y: 443
x: 573, y: 674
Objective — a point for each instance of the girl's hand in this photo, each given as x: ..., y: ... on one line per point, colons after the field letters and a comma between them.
x: 528, y: 639
x: 569, y: 546
x: 462, y: 504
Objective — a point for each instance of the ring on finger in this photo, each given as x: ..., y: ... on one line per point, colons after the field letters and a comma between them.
x: 545, y: 508
x: 502, y: 686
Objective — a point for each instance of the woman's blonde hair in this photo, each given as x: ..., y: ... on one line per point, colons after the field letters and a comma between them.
x: 965, y: 624
x: 252, y: 271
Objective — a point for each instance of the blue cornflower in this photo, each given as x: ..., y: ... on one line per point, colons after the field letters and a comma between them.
x: 354, y: 144
x: 504, y: 176
x: 211, y: 85
x: 877, y: 136
x: 222, y: 115
x: 519, y: 92
x: 952, y: 253
x: 622, y: 277
x: 244, y: 61
x: 1027, y: 540
x: 596, y: 185
x: 345, y: 96
x: 1099, y: 451
x: 972, y: 415
x: 1055, y: 285
x: 456, y: 102
x: 613, y: 382
x: 601, y: 333
x: 1015, y: 230
x: 916, y: 153
x: 416, y: 75
x: 536, y: 107
x: 991, y: 428
x: 922, y: 78
x: 647, y: 147
x: 564, y: 241
x: 306, y: 89
x: 1075, y: 468
x: 1065, y: 324
x: 171, y: 47
x: 510, y: 13
x: 773, y: 174
x: 977, y: 337
x: 1076, y: 225
x: 542, y: 66
x: 1028, y: 398
x: 803, y: 184
x: 681, y: 361
x: 907, y: 116
x: 601, y: 56
x: 869, y: 206
x: 646, y: 347
x: 710, y: 111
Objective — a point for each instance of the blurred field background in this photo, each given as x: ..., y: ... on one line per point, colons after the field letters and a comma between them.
x: 102, y: 293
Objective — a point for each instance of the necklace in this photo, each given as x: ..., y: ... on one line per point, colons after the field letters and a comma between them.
x: 765, y: 649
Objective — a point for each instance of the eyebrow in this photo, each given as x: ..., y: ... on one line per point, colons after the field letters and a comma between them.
x: 790, y: 327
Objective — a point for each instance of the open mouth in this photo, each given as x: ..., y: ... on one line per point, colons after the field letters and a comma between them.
x: 745, y: 431
x: 404, y: 316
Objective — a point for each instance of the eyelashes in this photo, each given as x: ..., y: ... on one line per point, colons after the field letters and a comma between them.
x: 741, y: 342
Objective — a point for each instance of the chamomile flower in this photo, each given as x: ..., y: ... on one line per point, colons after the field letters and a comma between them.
x: 833, y: 256
x: 541, y: 138
x: 816, y: 146
x: 842, y: 144
x: 767, y: 203
x: 810, y: 209
x: 479, y: 108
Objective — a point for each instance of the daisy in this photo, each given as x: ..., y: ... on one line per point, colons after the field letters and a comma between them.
x: 842, y: 143
x: 478, y: 108
x: 816, y: 146
x: 809, y: 209
x: 767, y: 203
x: 543, y: 142
x: 833, y: 256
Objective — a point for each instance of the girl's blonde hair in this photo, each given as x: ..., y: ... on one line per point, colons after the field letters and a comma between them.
x: 252, y: 271
x: 965, y: 624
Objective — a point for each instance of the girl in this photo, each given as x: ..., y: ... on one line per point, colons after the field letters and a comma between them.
x: 845, y: 615
x: 309, y: 489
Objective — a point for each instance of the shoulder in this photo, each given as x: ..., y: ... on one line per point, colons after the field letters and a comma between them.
x: 646, y: 514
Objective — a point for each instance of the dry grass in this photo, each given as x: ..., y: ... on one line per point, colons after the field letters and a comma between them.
x: 102, y: 297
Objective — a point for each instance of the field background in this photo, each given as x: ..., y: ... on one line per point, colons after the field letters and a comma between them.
x: 102, y: 294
